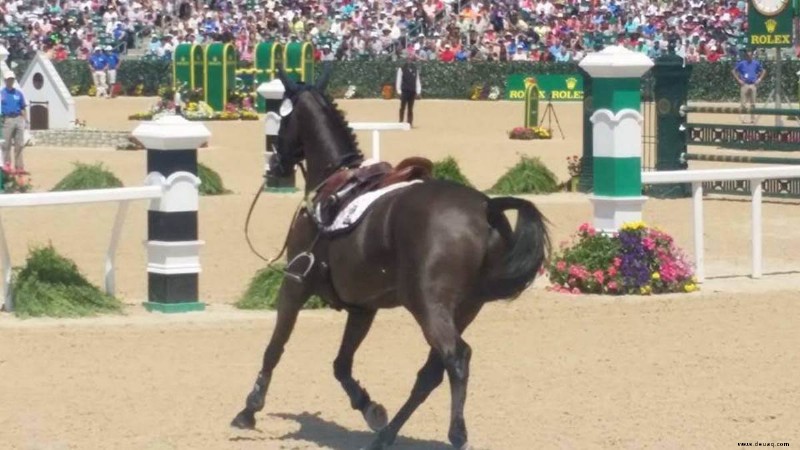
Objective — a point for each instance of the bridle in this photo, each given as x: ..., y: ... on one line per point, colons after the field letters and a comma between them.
x: 282, y: 163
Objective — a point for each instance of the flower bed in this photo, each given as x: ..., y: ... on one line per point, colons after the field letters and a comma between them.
x: 635, y: 260
x: 197, y: 111
x: 15, y: 180
x: 525, y: 134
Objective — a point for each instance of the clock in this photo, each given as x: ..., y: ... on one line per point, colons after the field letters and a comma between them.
x: 769, y: 7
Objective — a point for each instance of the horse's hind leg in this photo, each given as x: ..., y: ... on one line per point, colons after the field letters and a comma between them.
x: 429, y: 377
x: 291, y: 298
x: 358, y: 325
x: 448, y: 353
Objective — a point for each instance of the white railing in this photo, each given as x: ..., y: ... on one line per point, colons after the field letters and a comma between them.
x: 122, y: 195
x: 756, y: 176
x: 376, y: 128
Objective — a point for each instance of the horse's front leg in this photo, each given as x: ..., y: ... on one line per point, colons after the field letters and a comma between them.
x: 291, y: 297
x: 358, y: 325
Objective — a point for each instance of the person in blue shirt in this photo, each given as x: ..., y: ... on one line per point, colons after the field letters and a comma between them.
x: 748, y: 73
x: 14, y: 113
x: 98, y: 64
x: 112, y: 61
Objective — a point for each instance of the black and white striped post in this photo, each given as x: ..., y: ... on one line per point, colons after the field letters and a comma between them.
x: 173, y: 248
x: 272, y: 92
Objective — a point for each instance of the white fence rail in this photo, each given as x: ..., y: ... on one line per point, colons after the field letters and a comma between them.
x: 376, y: 128
x: 756, y: 176
x: 122, y: 195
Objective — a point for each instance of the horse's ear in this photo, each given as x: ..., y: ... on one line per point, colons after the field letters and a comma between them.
x: 288, y: 84
x: 322, y: 83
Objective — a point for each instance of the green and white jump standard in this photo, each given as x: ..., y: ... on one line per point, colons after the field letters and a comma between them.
x: 617, y: 141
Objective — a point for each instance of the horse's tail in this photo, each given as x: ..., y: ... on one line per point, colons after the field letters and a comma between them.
x: 528, y: 245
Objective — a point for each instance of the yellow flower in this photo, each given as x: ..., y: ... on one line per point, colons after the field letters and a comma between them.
x: 637, y: 225
x: 645, y: 290
x: 690, y: 287
x: 656, y: 276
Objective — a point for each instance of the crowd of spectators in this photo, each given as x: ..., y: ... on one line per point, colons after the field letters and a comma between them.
x: 447, y: 30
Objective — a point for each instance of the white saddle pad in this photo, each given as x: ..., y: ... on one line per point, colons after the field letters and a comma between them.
x: 353, y: 212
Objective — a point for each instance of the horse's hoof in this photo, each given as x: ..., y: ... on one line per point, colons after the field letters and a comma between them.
x: 245, y: 420
x: 376, y: 416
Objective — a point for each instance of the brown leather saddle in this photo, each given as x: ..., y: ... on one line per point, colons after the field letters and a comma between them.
x: 346, y: 185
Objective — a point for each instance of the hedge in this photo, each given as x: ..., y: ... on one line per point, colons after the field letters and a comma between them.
x: 709, y: 82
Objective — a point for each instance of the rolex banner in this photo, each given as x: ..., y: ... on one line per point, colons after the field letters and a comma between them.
x: 769, y: 23
x: 558, y: 88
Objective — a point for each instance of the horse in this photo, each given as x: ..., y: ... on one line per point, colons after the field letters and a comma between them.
x: 440, y: 249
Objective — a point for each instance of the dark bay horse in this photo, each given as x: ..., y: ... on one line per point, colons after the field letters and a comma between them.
x: 439, y: 249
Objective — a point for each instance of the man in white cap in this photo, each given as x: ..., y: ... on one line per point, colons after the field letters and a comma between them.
x: 13, y: 110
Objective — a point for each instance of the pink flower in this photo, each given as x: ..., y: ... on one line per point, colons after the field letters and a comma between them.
x: 561, y: 266
x: 648, y: 243
x: 598, y: 276
x: 617, y: 262
x: 612, y: 286
x: 576, y: 291
x: 612, y: 271
x: 586, y: 228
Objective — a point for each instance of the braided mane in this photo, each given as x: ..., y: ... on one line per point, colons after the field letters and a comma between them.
x: 338, y: 115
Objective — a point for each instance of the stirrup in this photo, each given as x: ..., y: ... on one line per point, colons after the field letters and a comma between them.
x: 300, y: 277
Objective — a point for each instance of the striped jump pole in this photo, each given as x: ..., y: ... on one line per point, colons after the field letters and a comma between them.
x: 617, y: 135
x: 173, y: 248
x: 686, y: 109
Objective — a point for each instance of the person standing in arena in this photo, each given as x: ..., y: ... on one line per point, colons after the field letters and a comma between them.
x: 13, y: 110
x: 408, y: 87
x: 98, y: 64
x: 112, y: 62
x: 748, y: 73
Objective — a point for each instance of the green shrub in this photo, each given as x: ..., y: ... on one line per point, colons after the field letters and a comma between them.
x: 263, y: 291
x: 210, y: 181
x: 529, y: 176
x: 88, y: 176
x: 447, y: 169
x: 51, y: 285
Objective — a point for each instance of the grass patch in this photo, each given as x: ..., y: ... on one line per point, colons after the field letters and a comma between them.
x: 51, y: 285
x: 262, y: 293
x: 88, y: 176
x: 210, y: 181
x: 447, y: 169
x: 528, y: 176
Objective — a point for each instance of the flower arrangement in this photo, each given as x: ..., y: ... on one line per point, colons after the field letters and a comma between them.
x: 351, y: 92
x: 15, y: 180
x: 635, y: 260
x: 524, y: 133
x: 494, y: 93
x: 92, y: 92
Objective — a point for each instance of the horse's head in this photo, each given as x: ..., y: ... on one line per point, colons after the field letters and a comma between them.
x: 309, y: 121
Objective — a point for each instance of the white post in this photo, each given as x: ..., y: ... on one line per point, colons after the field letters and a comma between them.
x: 6, y: 260
x: 110, y: 282
x: 376, y: 145
x: 755, y: 187
x: 697, y: 220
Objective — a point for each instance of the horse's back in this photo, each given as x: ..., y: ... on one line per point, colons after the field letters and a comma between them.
x: 434, y: 229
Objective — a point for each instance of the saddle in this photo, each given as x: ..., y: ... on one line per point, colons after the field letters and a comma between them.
x: 346, y: 185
